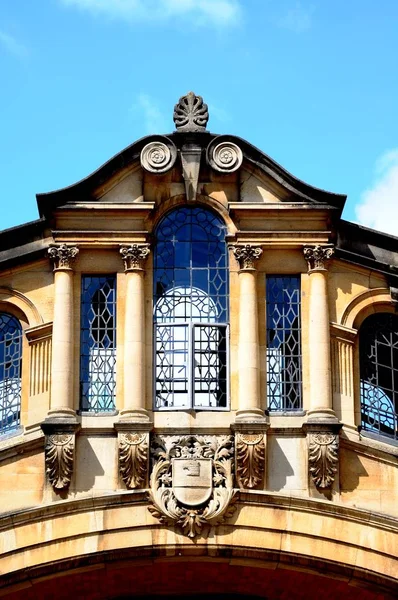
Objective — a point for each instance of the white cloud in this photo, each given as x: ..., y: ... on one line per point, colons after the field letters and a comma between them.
x: 148, y: 112
x: 378, y: 207
x: 297, y: 18
x: 12, y: 45
x: 199, y: 12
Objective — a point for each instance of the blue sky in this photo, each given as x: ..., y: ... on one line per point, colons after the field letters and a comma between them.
x: 313, y: 83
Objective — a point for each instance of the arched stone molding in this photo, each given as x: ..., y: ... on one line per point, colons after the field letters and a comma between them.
x: 21, y: 306
x: 327, y: 538
x: 365, y: 304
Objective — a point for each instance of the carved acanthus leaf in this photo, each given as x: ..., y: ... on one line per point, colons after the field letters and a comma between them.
x: 247, y: 255
x: 318, y: 256
x: 250, y: 459
x: 191, y: 113
x: 63, y: 255
x: 59, y: 454
x: 133, y: 458
x: 134, y: 256
x: 323, y: 457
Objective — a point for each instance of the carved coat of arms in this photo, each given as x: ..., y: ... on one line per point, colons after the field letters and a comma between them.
x: 192, y: 481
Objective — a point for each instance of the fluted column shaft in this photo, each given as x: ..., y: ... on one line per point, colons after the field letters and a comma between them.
x: 62, y: 372
x: 248, y: 348
x: 134, y: 334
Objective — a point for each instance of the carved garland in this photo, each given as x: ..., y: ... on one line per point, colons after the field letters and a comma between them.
x: 323, y: 457
x: 250, y: 459
x: 165, y: 505
x: 133, y: 458
x: 59, y: 451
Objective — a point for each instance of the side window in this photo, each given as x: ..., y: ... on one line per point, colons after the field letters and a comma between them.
x: 191, y: 311
x: 378, y: 350
x: 98, y: 344
x: 284, y: 380
x: 10, y: 372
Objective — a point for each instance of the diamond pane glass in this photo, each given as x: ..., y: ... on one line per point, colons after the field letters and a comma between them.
x: 10, y: 372
x: 98, y: 344
x: 284, y: 382
x: 190, y: 287
x: 378, y: 342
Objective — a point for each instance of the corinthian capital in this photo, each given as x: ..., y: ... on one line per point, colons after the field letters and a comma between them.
x: 318, y: 256
x: 246, y: 256
x: 63, y: 256
x: 134, y: 256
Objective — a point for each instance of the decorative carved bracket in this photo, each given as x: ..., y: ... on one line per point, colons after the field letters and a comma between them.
x: 134, y: 458
x: 192, y: 481
x: 59, y: 451
x: 250, y: 459
x: 323, y: 452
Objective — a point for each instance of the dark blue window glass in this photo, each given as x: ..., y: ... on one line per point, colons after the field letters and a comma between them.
x: 283, y: 343
x: 98, y: 344
x: 378, y: 348
x: 191, y: 310
x: 10, y: 372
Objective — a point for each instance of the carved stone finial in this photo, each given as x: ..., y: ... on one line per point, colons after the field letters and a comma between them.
x: 246, y: 256
x: 323, y: 457
x: 191, y: 113
x: 317, y: 256
x: 63, y: 256
x: 134, y: 256
x: 133, y: 458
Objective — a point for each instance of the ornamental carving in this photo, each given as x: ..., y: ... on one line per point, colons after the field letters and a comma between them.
x: 191, y: 113
x: 59, y: 453
x: 134, y: 256
x: 158, y: 157
x: 250, y: 459
x: 191, y: 484
x: 247, y: 255
x: 225, y: 156
x: 133, y: 458
x: 63, y: 256
x: 318, y: 256
x: 323, y: 457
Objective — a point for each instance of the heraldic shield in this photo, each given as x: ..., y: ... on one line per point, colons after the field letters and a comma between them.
x: 192, y: 481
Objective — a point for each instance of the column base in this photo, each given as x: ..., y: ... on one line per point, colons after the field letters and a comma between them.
x: 61, y: 413
x: 135, y: 415
x: 246, y: 415
x: 322, y: 415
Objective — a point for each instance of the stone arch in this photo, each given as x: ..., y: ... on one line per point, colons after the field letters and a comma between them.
x: 18, y: 304
x: 365, y: 304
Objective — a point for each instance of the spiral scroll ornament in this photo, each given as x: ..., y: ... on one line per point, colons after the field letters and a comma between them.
x: 225, y: 157
x: 158, y: 157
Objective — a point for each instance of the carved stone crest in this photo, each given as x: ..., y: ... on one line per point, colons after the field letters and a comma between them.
x: 250, y: 459
x: 224, y: 156
x: 133, y: 458
x: 191, y: 113
x: 192, y: 481
x: 158, y: 157
x: 323, y: 457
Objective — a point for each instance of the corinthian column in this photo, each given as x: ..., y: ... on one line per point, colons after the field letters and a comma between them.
x: 248, y: 348
x: 61, y: 425
x: 322, y: 426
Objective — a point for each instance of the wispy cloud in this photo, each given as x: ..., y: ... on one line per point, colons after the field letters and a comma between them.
x: 12, y: 45
x: 147, y: 110
x: 198, y: 12
x: 378, y: 205
x: 297, y: 18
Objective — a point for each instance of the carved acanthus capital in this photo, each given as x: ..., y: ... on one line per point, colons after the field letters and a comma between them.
x: 323, y: 457
x: 62, y: 256
x: 317, y: 257
x: 134, y: 458
x: 246, y: 256
x: 250, y: 459
x: 191, y: 113
x: 134, y: 256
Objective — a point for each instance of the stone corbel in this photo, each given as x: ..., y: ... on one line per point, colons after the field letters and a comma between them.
x: 250, y: 454
x: 59, y: 451
x: 133, y: 451
x: 323, y: 452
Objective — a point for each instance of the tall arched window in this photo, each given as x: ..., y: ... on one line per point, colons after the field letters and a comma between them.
x: 191, y: 311
x: 10, y: 372
x: 378, y: 342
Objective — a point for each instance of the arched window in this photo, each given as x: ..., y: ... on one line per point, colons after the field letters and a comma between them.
x: 378, y: 344
x: 191, y: 311
x: 10, y: 372
x: 98, y: 343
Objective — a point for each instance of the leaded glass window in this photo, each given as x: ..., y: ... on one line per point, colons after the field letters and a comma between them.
x: 284, y: 382
x: 378, y: 343
x: 10, y: 372
x: 98, y: 343
x: 191, y: 311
